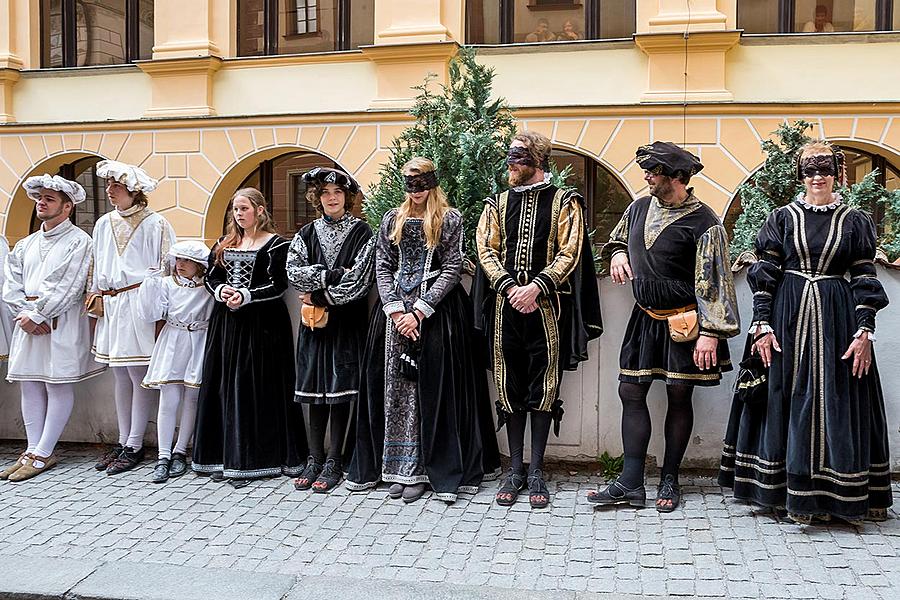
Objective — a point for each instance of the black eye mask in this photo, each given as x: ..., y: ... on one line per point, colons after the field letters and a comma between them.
x: 520, y: 156
x: 421, y: 182
x: 817, y: 165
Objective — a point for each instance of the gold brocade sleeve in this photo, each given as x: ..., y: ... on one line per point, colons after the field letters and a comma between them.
x: 489, y: 244
x: 569, y: 235
x: 618, y: 238
x: 717, y: 305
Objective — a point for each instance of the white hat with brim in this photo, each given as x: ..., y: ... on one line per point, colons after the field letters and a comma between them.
x: 190, y: 250
x: 72, y: 189
x: 134, y: 178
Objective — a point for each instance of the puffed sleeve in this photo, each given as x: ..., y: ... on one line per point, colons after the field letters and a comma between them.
x: 868, y: 293
x: 618, y: 238
x: 276, y: 276
x: 489, y: 243
x: 302, y: 275
x: 153, y: 299
x: 166, y: 239
x: 14, y: 280
x: 354, y: 283
x: 63, y: 286
x: 216, y: 275
x: 450, y: 250
x: 717, y: 306
x: 569, y: 235
x: 387, y: 258
x: 764, y: 276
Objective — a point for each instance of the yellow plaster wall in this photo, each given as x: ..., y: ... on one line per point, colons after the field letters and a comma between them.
x: 312, y: 88
x: 849, y: 72
x: 118, y: 93
x: 569, y: 78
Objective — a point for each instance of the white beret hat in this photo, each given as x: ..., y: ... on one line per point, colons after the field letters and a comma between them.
x: 134, y: 178
x: 72, y: 189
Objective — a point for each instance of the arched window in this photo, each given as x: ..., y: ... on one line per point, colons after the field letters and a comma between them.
x: 606, y: 198
x: 859, y: 164
x: 281, y: 182
x: 96, y: 203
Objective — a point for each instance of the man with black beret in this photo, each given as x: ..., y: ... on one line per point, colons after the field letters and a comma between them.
x: 674, y: 251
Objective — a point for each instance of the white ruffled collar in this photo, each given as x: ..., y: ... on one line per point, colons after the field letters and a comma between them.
x: 58, y: 230
x: 133, y: 209
x: 801, y: 200
x: 532, y: 186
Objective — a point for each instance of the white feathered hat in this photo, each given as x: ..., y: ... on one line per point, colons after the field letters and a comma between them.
x: 191, y: 250
x: 72, y: 189
x: 134, y: 178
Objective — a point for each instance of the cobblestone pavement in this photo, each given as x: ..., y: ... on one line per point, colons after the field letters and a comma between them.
x: 714, y: 547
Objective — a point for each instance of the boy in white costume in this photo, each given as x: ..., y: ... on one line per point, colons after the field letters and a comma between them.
x: 44, y: 284
x: 176, y: 368
x: 128, y: 241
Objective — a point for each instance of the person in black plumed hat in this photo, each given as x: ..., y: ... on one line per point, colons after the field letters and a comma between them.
x: 674, y: 251
x: 330, y: 262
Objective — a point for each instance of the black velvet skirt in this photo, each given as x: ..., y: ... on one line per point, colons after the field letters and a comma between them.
x: 648, y: 353
x: 458, y: 441
x: 248, y: 425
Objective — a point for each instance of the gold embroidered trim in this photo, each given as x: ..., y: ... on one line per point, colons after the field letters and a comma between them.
x: 551, y: 332
x: 654, y: 226
x: 671, y: 375
x: 123, y: 227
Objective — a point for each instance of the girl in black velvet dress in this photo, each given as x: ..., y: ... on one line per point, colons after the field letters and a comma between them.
x: 248, y: 425
x: 330, y: 264
x: 818, y: 447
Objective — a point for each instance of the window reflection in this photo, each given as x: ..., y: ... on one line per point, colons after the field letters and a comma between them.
x: 826, y: 16
x: 548, y: 21
x: 100, y: 32
x: 758, y: 16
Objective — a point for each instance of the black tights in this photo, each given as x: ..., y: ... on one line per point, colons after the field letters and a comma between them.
x: 636, y: 429
x: 540, y: 433
x: 318, y: 422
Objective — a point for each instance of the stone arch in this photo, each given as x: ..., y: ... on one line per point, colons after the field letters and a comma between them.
x: 610, y: 170
x: 239, y: 171
x: 18, y: 214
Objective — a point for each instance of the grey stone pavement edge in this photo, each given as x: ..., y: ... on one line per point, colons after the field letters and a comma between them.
x: 75, y: 533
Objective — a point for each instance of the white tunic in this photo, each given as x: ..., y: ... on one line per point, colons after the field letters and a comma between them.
x: 6, y: 318
x: 52, y: 267
x: 186, y: 307
x: 126, y: 245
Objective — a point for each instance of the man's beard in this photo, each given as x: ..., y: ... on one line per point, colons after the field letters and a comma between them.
x: 663, y: 189
x: 523, y: 174
x: 47, y: 216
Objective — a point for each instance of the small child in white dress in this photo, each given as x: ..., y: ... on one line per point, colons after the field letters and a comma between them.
x: 183, y: 306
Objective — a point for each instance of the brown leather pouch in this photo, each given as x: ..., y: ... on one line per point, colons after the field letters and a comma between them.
x: 314, y: 317
x: 684, y: 326
x: 93, y: 304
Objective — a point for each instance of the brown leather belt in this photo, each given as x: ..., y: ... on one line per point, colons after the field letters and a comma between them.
x: 120, y: 290
x: 54, y: 321
x: 663, y: 315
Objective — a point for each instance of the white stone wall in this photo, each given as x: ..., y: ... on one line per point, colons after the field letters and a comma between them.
x: 591, y: 423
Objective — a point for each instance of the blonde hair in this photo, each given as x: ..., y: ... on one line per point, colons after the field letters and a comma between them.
x: 436, y: 206
x: 234, y: 233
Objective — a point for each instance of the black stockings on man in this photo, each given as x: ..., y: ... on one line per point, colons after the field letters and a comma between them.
x: 318, y: 422
x: 540, y: 433
x: 636, y: 429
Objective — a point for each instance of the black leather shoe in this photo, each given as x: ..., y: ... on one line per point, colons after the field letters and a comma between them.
x: 238, y: 483
x: 616, y: 493
x: 178, y: 466
x: 217, y: 476
x: 110, y: 455
x: 127, y: 460
x: 161, y: 471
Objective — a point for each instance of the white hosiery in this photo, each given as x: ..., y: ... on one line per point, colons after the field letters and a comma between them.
x: 169, y: 399
x: 60, y: 400
x: 188, y: 418
x: 34, y: 411
x: 46, y: 408
x: 141, y: 405
x: 123, y: 402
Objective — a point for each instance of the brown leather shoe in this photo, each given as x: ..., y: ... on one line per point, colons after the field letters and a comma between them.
x: 22, y: 460
x: 30, y: 470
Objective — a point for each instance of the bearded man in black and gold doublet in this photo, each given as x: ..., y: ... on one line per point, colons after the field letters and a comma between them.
x: 538, y: 300
x: 673, y: 249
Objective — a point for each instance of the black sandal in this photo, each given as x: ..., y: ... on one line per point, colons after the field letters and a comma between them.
x: 668, y: 490
x: 538, y: 494
x: 512, y: 485
x: 329, y: 477
x: 616, y: 493
x: 309, y: 475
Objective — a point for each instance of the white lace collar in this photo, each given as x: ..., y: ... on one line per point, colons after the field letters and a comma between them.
x: 801, y: 200
x: 531, y: 186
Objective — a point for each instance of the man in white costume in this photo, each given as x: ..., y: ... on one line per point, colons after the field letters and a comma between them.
x: 44, y: 284
x: 127, y: 242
